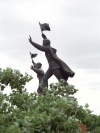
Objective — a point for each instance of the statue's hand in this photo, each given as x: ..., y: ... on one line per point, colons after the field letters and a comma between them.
x: 44, y: 36
x: 30, y: 39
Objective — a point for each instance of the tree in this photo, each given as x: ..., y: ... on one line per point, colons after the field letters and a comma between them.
x: 52, y: 112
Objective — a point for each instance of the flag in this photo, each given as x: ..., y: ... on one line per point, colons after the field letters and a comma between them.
x: 44, y: 26
x: 33, y: 55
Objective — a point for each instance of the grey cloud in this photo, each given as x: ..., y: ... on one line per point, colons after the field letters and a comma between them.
x: 75, y: 33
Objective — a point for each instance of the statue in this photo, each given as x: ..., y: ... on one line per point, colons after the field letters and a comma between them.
x: 37, y: 68
x: 57, y: 67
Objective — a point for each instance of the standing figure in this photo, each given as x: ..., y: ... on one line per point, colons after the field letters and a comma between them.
x: 37, y: 68
x: 56, y: 66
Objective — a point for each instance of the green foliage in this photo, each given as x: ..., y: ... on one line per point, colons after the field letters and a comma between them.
x: 13, y: 78
x: 93, y: 123
x: 96, y: 130
x: 33, y: 113
x: 52, y: 112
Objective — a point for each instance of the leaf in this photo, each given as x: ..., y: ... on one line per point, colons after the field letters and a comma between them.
x: 86, y: 105
x: 2, y: 87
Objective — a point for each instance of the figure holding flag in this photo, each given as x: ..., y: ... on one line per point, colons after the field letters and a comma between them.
x: 37, y: 68
x: 57, y: 67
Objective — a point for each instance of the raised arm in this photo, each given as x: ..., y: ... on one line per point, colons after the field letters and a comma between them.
x: 39, y: 47
x: 33, y: 62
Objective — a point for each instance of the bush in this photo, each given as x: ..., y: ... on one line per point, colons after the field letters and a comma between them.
x: 52, y: 112
x: 96, y: 130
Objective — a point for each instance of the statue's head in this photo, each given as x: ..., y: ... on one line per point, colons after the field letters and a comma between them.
x: 46, y: 42
x: 38, y: 65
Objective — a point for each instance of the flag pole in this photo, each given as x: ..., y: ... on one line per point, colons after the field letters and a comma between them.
x: 40, y: 28
x: 43, y: 35
x: 32, y: 59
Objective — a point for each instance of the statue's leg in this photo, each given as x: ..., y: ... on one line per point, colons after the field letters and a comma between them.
x: 39, y: 90
x: 47, y: 75
x: 58, y: 74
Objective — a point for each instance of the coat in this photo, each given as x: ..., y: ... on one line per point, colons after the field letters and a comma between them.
x: 66, y: 71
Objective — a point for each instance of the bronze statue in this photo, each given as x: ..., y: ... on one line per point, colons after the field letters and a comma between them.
x: 56, y: 66
x: 37, y: 68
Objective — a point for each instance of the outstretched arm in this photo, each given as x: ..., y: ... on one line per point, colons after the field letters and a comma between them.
x: 39, y: 47
x: 33, y: 62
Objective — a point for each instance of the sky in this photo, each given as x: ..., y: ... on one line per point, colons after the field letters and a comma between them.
x: 75, y: 31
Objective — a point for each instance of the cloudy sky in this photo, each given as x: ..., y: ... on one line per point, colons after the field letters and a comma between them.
x: 75, y: 33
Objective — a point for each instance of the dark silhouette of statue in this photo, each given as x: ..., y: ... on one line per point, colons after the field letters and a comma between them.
x: 37, y: 68
x: 57, y: 67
